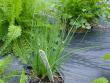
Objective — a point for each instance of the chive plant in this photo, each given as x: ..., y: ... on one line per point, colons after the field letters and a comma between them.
x: 52, y: 40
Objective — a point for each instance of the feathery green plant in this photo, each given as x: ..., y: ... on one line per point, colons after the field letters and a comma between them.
x: 34, y: 10
x: 13, y: 33
x: 15, y: 15
x: 10, y: 11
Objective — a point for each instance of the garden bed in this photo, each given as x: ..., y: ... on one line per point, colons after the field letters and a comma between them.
x: 36, y: 33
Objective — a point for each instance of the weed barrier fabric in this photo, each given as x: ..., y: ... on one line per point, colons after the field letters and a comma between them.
x: 87, y: 65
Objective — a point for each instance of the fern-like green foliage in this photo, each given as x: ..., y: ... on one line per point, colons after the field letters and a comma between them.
x: 16, y: 12
x: 100, y: 80
x: 13, y: 33
x: 17, y: 15
x: 32, y: 15
x: 22, y: 49
x: 11, y: 9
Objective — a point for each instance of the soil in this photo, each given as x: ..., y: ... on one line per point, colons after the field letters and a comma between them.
x: 33, y: 79
x: 57, y: 79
